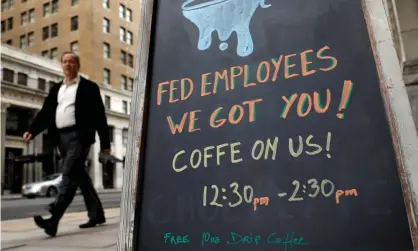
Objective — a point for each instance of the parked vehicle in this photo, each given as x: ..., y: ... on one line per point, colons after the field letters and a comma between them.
x: 48, y: 187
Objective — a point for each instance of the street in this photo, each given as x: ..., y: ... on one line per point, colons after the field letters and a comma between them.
x: 25, y: 208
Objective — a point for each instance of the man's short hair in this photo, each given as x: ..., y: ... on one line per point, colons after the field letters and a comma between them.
x: 77, y: 58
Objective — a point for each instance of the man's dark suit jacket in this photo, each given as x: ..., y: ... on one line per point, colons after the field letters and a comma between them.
x: 89, y: 114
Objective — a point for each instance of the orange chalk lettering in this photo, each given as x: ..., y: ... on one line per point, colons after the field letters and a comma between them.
x: 177, y: 127
x: 247, y: 77
x: 216, y: 123
x: 171, y: 100
x: 192, y: 123
x: 305, y: 62
x: 204, y: 84
x: 183, y: 88
x: 260, y: 201
x: 224, y: 77
x: 160, y: 91
x: 288, y: 104
x: 276, y: 64
x: 235, y: 74
x: 287, y: 67
x: 251, y: 106
x: 318, y: 104
x: 333, y: 60
x: 303, y: 99
x: 339, y: 193
x: 232, y: 113
x: 263, y: 66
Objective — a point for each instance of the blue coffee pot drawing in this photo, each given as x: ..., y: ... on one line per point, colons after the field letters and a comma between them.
x: 225, y: 17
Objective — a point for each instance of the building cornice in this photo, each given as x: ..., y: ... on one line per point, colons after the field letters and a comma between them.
x: 21, y: 57
x: 5, y: 85
x: 117, y: 114
x: 110, y: 89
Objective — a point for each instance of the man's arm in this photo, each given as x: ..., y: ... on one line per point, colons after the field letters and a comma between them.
x: 39, y: 124
x: 101, y: 122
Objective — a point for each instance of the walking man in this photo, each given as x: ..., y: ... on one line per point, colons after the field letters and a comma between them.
x: 72, y: 112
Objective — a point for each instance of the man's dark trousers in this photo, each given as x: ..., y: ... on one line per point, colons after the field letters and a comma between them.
x: 74, y: 174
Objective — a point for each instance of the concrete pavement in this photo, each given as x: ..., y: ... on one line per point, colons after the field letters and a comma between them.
x: 20, y: 209
x: 24, y: 235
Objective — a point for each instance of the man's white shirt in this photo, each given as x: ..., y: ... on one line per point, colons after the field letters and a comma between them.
x: 65, y: 113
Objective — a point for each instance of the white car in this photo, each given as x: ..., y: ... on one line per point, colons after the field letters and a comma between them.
x: 48, y: 187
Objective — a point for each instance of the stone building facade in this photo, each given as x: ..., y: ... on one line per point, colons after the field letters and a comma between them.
x: 25, y: 82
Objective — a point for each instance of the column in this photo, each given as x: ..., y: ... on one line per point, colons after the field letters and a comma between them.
x: 118, y: 153
x: 38, y: 149
x: 4, y: 107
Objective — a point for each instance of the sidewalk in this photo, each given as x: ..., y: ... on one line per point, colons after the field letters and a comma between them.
x: 24, y: 235
x: 19, y: 196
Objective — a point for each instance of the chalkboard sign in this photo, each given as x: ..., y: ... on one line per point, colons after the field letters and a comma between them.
x: 266, y: 130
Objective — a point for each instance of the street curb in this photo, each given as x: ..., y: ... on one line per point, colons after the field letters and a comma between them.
x: 23, y: 198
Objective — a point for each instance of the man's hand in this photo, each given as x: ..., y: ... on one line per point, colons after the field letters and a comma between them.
x: 27, y: 136
x: 106, y: 152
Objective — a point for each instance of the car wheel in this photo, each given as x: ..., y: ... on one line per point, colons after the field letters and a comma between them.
x: 52, y: 192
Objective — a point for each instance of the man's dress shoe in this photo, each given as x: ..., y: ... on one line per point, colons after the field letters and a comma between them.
x: 49, y: 225
x: 92, y: 223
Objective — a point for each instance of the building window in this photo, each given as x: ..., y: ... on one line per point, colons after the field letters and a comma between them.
x: 111, y: 129
x: 125, y: 136
x: 11, y: 4
x: 54, y: 30
x: 32, y: 16
x: 54, y: 6
x: 31, y: 39
x: 129, y: 15
x: 106, y: 25
x: 23, y: 18
x: 123, y: 82
x: 45, y: 33
x: 45, y: 53
x: 106, y: 76
x: 4, y: 5
x: 106, y: 50
x: 22, y: 41
x: 22, y: 78
x: 74, y: 47
x: 122, y: 34
x: 74, y: 23
x: 54, y: 53
x: 122, y: 11
x: 105, y: 4
x: 41, y: 84
x: 125, y: 107
x: 3, y: 26
x: 47, y: 8
x: 74, y: 2
x: 123, y: 57
x: 10, y: 23
x: 131, y: 60
x: 9, y: 42
x: 107, y: 102
x: 8, y: 75
x: 51, y: 84
x: 129, y: 39
x: 130, y: 84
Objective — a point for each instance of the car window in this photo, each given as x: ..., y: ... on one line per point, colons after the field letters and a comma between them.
x: 51, y: 177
